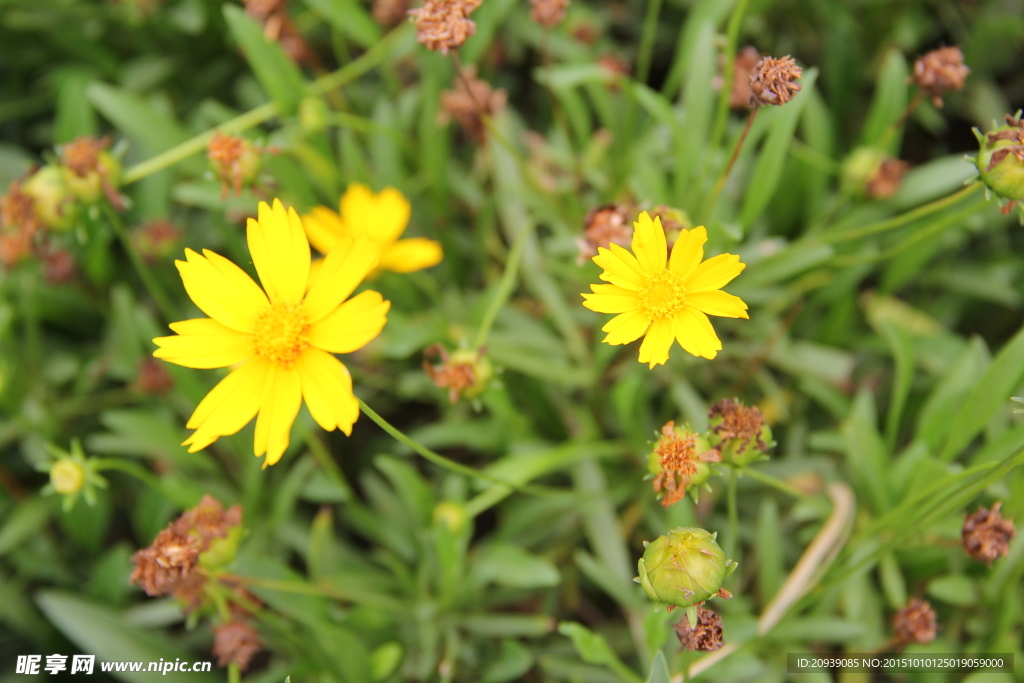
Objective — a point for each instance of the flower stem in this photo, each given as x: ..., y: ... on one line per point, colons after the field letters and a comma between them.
x: 722, y: 114
x: 323, y: 85
x: 712, y: 202
x: 905, y: 218
x: 508, y: 281
x: 234, y: 673
x: 144, y: 273
x: 731, y: 543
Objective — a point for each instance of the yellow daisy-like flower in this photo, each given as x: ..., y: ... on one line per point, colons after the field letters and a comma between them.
x: 381, y: 217
x: 281, y: 340
x: 665, y: 302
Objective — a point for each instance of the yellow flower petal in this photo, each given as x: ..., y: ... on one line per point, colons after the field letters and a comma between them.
x: 714, y: 273
x: 415, y: 253
x: 204, y: 343
x: 620, y: 267
x: 688, y: 251
x: 222, y: 290
x: 324, y: 228
x: 626, y: 327
x: 229, y: 406
x: 352, y: 325
x: 649, y: 244
x: 327, y: 389
x: 339, y: 275
x: 382, y: 216
x: 610, y: 299
x: 717, y: 302
x: 280, y: 252
x: 279, y: 404
x: 654, y: 350
x: 695, y: 333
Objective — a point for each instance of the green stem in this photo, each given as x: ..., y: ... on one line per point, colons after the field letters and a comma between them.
x: 440, y: 460
x: 905, y: 218
x: 731, y: 543
x: 722, y: 114
x: 33, y: 339
x: 508, y: 282
x: 144, y: 273
x: 234, y: 673
x: 302, y: 588
x: 172, y: 493
x: 346, y: 74
x: 650, y: 32
x: 709, y: 207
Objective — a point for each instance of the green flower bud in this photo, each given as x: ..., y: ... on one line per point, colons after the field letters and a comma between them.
x: 465, y: 372
x: 72, y: 475
x: 859, y: 167
x: 452, y: 515
x: 313, y: 114
x: 54, y: 205
x: 739, y: 433
x: 684, y: 568
x: 67, y: 476
x: 222, y: 551
x: 1000, y: 158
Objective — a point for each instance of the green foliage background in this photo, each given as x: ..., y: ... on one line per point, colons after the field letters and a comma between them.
x: 884, y: 342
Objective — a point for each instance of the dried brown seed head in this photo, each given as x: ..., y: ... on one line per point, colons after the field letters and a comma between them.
x: 390, y: 13
x: 678, y: 458
x: 548, y: 13
x: 156, y: 239
x: 470, y: 101
x: 444, y: 25
x: 463, y: 373
x: 706, y: 636
x: 58, y: 266
x: 939, y: 72
x: 604, y: 226
x: 986, y: 535
x: 207, y: 521
x: 153, y: 378
x: 738, y: 422
x: 82, y: 156
x: 161, y: 567
x: 886, y: 179
x: 773, y: 81
x: 17, y: 210
x: 236, y: 642
x: 915, y: 623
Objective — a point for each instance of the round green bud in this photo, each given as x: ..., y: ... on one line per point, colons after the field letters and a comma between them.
x: 53, y: 202
x: 684, y: 567
x: 859, y: 167
x: 67, y: 477
x: 451, y: 515
x: 1001, y: 159
x: 222, y: 551
x: 482, y: 370
x: 313, y: 114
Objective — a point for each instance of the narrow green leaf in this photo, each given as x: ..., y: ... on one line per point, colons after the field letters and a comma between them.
x: 509, y: 565
x: 946, y: 399
x: 659, y: 670
x: 350, y: 18
x: 27, y: 519
x: 770, y: 545
x: 75, y: 116
x: 888, y: 104
x: 903, y: 352
x: 691, y: 141
x: 136, y: 117
x: 594, y: 649
x: 278, y: 75
x: 767, y: 172
x: 866, y: 453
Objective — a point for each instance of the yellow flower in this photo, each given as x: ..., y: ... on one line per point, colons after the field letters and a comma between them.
x: 666, y: 303
x: 382, y: 217
x: 281, y: 340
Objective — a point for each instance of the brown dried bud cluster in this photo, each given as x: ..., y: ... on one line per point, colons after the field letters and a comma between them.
x: 773, y: 81
x: 742, y: 69
x: 155, y: 239
x: 463, y: 373
x: 914, y: 623
x: 444, y: 25
x: 236, y: 642
x: 604, y: 226
x: 738, y: 423
x: 279, y: 28
x: 169, y: 561
x: 986, y: 535
x: 390, y: 13
x: 1015, y: 134
x: 677, y: 460
x: 470, y: 101
x: 82, y: 156
x: 706, y: 636
x: 18, y: 223
x: 153, y: 379
x: 886, y: 179
x: 548, y: 13
x: 939, y: 72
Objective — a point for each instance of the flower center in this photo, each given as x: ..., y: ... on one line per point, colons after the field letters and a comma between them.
x: 662, y: 295
x: 281, y: 333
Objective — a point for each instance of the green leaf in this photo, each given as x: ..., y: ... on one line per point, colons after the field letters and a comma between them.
x: 136, y: 117
x: 888, y: 104
x: 767, y: 172
x: 75, y: 117
x: 903, y: 352
x: 770, y: 548
x: 513, y: 661
x: 99, y: 630
x: 278, y: 75
x: 348, y: 17
x: 954, y: 589
x: 594, y: 649
x: 992, y: 391
x: 659, y: 670
x: 509, y: 565
x: 27, y: 519
x: 946, y: 399
x: 691, y: 143
x: 866, y: 452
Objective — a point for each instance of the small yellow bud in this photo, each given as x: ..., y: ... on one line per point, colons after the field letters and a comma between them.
x: 67, y: 477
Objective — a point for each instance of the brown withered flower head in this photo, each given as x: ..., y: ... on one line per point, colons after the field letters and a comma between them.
x: 390, y: 13
x: 153, y: 378
x: 161, y: 567
x: 470, y: 101
x: 444, y: 25
x: 986, y: 535
x: 677, y: 465
x: 82, y: 156
x: 236, y: 642
x: 1015, y: 134
x: 739, y: 423
x: 208, y: 521
x: 773, y: 81
x: 58, y: 266
x: 548, y: 13
x: 17, y: 210
x: 463, y: 373
x: 604, y: 226
x: 886, y: 179
x: 914, y: 623
x: 156, y: 239
x: 235, y: 159
x: 706, y: 636
x: 279, y: 28
x: 743, y: 67
x: 939, y: 72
